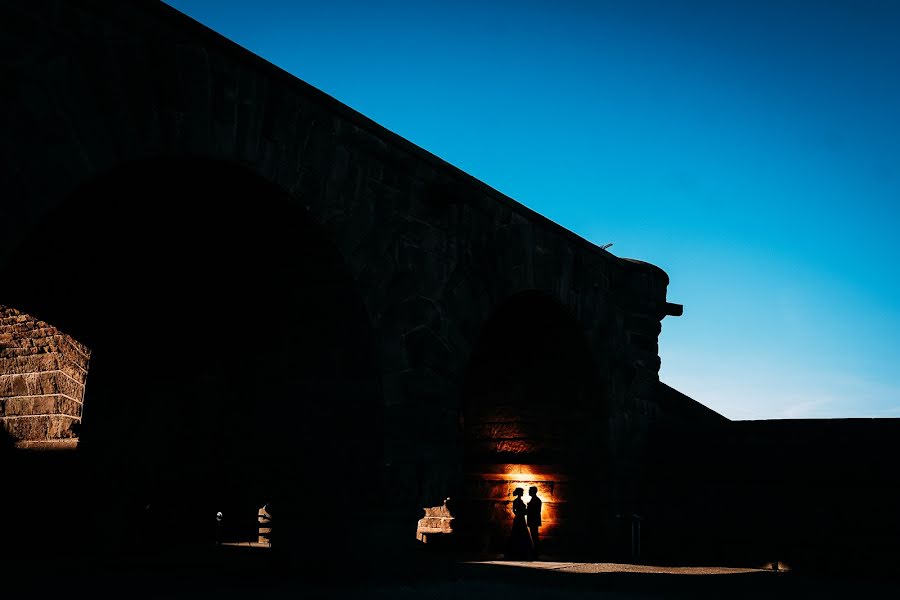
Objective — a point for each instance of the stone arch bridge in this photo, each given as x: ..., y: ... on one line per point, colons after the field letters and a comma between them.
x: 221, y: 287
x: 282, y: 298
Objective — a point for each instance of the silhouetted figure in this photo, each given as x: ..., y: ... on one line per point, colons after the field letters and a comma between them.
x: 219, y: 518
x: 519, y: 540
x: 533, y: 513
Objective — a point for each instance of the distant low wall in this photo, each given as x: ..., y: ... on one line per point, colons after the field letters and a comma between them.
x: 818, y: 495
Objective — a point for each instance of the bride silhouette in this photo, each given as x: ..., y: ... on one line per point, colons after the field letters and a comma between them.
x: 519, y: 539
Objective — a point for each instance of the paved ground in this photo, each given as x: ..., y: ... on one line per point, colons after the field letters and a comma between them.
x: 249, y: 572
x: 588, y: 567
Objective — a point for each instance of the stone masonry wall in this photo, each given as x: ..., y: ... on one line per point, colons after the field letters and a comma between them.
x: 42, y: 378
x: 432, y: 251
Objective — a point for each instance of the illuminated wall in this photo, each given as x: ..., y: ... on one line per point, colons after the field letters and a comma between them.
x: 534, y: 416
x: 42, y: 378
x: 490, y: 491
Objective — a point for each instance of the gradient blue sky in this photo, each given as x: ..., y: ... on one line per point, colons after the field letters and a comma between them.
x: 750, y: 149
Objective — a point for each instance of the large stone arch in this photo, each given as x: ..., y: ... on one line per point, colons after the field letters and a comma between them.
x: 233, y: 358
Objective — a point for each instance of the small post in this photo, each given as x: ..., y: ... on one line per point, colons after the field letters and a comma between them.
x: 264, y: 519
x: 635, y: 537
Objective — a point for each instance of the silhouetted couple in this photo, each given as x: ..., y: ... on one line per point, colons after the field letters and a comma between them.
x: 522, y: 544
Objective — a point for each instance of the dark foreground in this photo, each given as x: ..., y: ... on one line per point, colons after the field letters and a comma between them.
x: 242, y: 572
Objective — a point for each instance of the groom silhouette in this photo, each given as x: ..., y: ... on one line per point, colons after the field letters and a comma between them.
x: 533, y: 516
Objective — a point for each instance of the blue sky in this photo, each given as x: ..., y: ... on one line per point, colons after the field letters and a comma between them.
x: 750, y: 149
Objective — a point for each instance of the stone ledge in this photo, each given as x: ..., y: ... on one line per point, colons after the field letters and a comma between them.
x: 48, y: 404
x: 39, y: 428
x: 63, y: 444
x: 37, y: 363
x: 41, y: 383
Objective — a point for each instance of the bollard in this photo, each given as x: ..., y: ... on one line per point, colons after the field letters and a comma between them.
x: 636, y: 538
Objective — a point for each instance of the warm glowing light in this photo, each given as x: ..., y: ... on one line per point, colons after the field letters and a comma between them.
x: 548, y: 479
x: 490, y: 486
x: 514, y: 472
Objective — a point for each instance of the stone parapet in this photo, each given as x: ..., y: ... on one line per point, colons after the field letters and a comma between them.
x: 438, y: 521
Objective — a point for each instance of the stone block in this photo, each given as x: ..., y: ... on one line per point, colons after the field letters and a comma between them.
x: 39, y: 405
x: 486, y: 489
x: 39, y: 427
x: 46, y: 382
x: 426, y: 349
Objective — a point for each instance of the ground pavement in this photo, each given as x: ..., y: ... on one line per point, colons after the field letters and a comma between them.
x: 252, y: 572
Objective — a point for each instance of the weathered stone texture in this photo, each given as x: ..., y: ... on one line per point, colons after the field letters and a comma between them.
x: 432, y: 255
x: 438, y: 521
x: 42, y: 378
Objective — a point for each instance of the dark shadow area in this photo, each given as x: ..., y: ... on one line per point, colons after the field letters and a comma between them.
x: 820, y: 495
x: 559, y: 583
x: 233, y: 364
x: 239, y: 572
x: 8, y: 507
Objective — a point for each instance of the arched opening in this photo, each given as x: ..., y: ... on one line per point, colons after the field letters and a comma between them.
x: 233, y: 361
x: 43, y: 372
x: 534, y: 416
